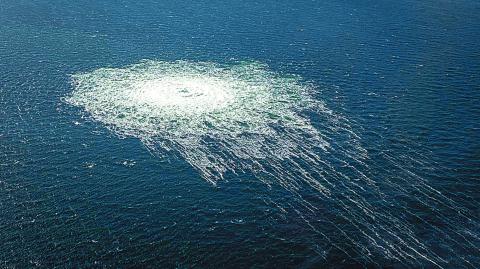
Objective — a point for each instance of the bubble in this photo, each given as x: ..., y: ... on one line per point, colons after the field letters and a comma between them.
x: 244, y: 118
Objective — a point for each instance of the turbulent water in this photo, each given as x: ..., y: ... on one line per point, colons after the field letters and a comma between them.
x: 218, y: 118
x: 244, y: 118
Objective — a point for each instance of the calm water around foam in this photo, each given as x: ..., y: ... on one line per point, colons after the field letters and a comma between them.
x: 296, y: 134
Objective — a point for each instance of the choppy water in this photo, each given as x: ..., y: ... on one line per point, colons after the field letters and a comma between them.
x: 240, y: 134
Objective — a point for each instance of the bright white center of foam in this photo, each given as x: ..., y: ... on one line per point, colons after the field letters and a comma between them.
x: 189, y: 95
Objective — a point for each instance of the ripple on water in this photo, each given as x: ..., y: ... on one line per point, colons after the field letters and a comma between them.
x: 244, y: 118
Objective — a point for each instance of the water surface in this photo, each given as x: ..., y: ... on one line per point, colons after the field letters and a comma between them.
x: 301, y: 134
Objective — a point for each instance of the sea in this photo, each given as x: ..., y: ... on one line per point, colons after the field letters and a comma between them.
x: 239, y: 134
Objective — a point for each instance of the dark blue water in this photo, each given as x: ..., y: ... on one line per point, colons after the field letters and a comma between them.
x: 405, y: 75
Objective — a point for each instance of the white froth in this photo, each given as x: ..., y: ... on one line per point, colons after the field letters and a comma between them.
x: 183, y: 105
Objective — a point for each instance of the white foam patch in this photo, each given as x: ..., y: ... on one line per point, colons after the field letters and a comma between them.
x: 245, y: 109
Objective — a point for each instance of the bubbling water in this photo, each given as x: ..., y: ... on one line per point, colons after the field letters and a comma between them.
x: 244, y: 118
x: 182, y: 105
